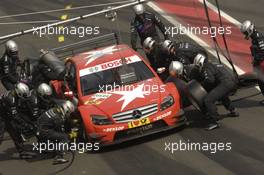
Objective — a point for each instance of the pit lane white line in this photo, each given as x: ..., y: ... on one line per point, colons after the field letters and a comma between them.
x: 198, y: 40
x: 70, y: 9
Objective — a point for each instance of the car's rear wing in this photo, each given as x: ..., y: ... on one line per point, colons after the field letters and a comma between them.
x: 85, y: 45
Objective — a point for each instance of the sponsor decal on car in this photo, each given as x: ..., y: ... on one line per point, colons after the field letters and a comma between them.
x: 93, y: 102
x: 97, y: 99
x: 101, y: 96
x: 108, y: 65
x: 114, y: 129
x: 138, y: 123
x: 162, y: 116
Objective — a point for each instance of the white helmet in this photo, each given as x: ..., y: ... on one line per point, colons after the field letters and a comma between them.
x: 68, y: 108
x: 11, y: 47
x: 176, y: 67
x: 139, y: 9
x: 199, y: 60
x: 167, y: 45
x: 149, y: 43
x: 22, y: 90
x: 247, y: 28
x: 44, y: 90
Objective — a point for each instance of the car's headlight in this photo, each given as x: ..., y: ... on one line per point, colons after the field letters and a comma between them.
x: 167, y: 102
x: 101, y: 120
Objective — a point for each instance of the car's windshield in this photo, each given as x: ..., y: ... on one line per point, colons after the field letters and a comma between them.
x: 125, y: 74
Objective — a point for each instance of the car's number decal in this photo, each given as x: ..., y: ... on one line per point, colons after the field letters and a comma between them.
x: 138, y: 123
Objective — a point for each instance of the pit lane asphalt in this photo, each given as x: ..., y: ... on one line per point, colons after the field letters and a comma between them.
x: 147, y: 155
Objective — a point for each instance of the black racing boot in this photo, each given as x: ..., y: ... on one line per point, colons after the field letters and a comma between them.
x: 59, y: 160
x: 261, y: 102
x: 212, y: 126
x: 27, y: 155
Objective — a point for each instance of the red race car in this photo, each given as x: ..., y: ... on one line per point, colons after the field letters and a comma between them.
x: 119, y: 95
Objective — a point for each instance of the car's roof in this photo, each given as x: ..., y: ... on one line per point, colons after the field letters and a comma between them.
x: 102, y: 55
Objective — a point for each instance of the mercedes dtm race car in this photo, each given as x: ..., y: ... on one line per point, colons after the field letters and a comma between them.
x: 119, y: 95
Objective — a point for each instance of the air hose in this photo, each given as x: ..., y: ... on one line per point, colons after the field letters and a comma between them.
x: 216, y: 44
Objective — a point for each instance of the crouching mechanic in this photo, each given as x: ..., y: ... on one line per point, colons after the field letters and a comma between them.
x: 257, y: 51
x: 220, y: 84
x: 13, y: 123
x: 39, y: 101
x: 177, y: 74
x: 158, y: 61
x: 51, y: 128
x: 144, y: 24
x: 183, y: 51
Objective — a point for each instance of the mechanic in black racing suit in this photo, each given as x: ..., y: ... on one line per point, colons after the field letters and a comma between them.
x: 177, y: 73
x: 8, y: 65
x: 257, y: 51
x: 51, y: 128
x: 40, y: 100
x: 45, y: 97
x: 13, y: 123
x: 144, y: 24
x: 158, y: 60
x: 183, y: 51
x: 219, y: 83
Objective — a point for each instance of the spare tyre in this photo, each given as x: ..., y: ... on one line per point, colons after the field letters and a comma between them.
x: 196, y: 94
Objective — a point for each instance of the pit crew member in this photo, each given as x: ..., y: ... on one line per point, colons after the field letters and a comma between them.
x: 158, y: 61
x: 12, y: 121
x: 182, y: 51
x: 41, y: 98
x: 51, y: 128
x: 8, y: 65
x: 144, y: 25
x: 220, y: 84
x: 177, y: 73
x: 257, y: 51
